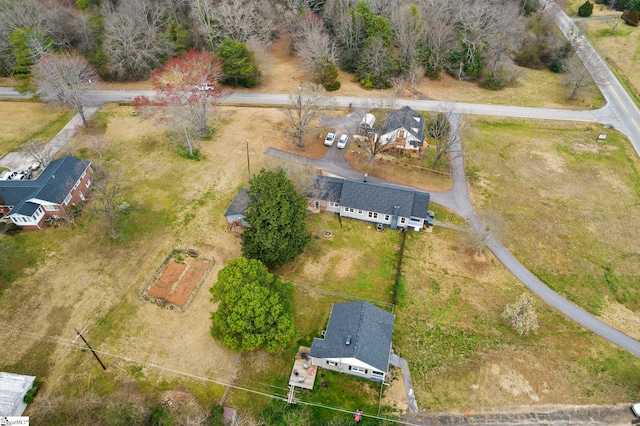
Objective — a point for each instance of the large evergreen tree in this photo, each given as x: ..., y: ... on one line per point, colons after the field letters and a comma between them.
x: 277, y: 217
x: 255, y: 309
x: 238, y: 64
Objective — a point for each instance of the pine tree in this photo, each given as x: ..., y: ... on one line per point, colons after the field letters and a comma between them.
x: 238, y: 64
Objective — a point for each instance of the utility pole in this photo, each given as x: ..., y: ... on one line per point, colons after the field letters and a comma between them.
x: 248, y: 162
x: 88, y: 345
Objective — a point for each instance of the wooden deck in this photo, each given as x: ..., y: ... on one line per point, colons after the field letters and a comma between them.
x: 302, y: 377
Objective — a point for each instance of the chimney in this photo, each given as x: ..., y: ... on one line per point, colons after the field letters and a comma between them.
x: 366, y: 175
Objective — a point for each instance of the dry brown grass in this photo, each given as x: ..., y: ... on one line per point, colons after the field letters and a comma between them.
x: 620, y: 50
x: 463, y: 356
x: 21, y: 121
x: 578, y: 196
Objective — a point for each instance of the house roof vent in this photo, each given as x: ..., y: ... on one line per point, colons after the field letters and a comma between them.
x: 348, y: 342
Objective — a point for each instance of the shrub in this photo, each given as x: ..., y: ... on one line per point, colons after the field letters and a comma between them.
x: 522, y: 315
x: 331, y: 85
x: 586, y: 9
x: 631, y: 17
x: 31, y: 393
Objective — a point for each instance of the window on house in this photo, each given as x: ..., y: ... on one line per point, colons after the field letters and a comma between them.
x: 375, y: 215
x: 331, y: 363
x: 360, y: 212
x: 81, y: 196
x: 403, y: 220
x: 377, y: 373
x: 387, y: 217
x: 67, y: 199
x: 50, y: 207
x: 88, y: 184
x: 370, y: 214
x: 76, y: 185
x: 358, y: 369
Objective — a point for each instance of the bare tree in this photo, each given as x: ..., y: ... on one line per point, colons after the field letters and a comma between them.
x: 444, y: 133
x: 235, y: 19
x: 522, y: 315
x: 313, y: 44
x: 109, y: 189
x: 576, y: 78
x: 65, y: 78
x: 39, y: 151
x: 440, y: 35
x: 488, y: 226
x: 135, y: 39
x: 184, y: 95
x: 408, y: 35
x: 307, y: 102
x: 373, y: 144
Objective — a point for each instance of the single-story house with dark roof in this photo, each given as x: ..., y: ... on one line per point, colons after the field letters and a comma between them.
x: 238, y: 208
x: 64, y: 183
x: 357, y: 341
x: 394, y: 206
x: 404, y: 128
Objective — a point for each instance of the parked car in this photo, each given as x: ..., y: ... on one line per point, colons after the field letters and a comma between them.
x: 205, y: 86
x: 27, y: 174
x: 635, y: 408
x: 328, y: 141
x: 16, y: 176
x: 342, y: 142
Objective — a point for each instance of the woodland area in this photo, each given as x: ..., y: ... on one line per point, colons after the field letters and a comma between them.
x: 382, y: 44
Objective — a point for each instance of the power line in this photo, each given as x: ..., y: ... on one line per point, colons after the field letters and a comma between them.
x: 206, y: 379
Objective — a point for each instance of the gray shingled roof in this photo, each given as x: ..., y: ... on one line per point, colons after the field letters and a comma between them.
x: 53, y: 184
x: 381, y: 198
x: 405, y: 118
x: 239, y: 203
x: 370, y: 329
x: 326, y: 188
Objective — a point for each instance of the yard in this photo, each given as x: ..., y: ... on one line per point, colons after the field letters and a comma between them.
x: 462, y: 354
x: 577, y: 195
x: 21, y: 121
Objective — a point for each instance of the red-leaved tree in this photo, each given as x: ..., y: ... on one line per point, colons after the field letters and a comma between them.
x: 185, y: 92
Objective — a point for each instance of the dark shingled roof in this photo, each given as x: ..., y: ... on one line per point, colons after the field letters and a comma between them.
x: 53, y: 185
x: 370, y: 329
x: 382, y: 198
x: 405, y: 118
x: 326, y: 188
x: 239, y: 203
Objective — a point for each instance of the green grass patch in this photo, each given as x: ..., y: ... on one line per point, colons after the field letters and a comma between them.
x: 356, y: 260
x: 462, y: 354
x: 575, y: 194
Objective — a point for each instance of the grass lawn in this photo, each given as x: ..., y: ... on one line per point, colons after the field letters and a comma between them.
x: 621, y: 50
x: 577, y: 195
x: 21, y: 121
x: 461, y: 353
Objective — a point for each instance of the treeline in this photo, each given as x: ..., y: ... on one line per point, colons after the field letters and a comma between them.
x: 383, y: 43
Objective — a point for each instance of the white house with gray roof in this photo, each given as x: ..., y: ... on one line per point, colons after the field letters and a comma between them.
x: 394, y: 206
x: 390, y: 205
x: 357, y: 341
x: 28, y: 203
x: 404, y: 128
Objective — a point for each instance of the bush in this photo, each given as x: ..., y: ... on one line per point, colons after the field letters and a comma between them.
x: 631, y: 17
x: 586, y: 9
x: 331, y: 86
x: 31, y: 393
x: 522, y: 315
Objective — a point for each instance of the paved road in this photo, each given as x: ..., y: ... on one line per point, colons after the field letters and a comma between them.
x: 620, y: 108
x: 551, y: 415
